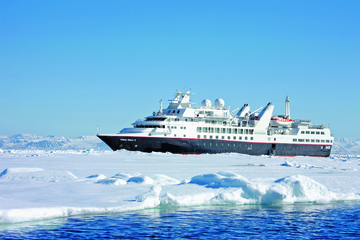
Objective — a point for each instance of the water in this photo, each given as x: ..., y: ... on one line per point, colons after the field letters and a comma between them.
x: 333, y: 221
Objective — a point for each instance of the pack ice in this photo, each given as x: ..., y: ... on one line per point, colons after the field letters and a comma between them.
x: 38, y: 185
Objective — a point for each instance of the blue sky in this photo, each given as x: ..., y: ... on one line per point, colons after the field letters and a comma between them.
x: 68, y: 66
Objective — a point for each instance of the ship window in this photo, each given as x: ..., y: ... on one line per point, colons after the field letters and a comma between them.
x: 217, y: 137
x: 312, y: 132
x: 307, y: 140
x: 235, y: 130
x: 312, y: 140
x: 331, y: 141
x: 322, y: 141
x: 270, y: 138
x: 223, y: 130
x: 211, y: 130
x: 240, y: 138
x: 251, y: 131
x: 173, y: 111
x: 301, y: 140
x: 241, y: 131
x: 294, y: 140
x: 198, y: 136
x: 198, y: 129
x: 229, y: 130
x: 222, y: 137
x: 204, y: 136
x: 246, y: 131
x: 307, y: 132
x: 205, y: 129
x: 302, y: 132
x: 184, y: 127
x: 327, y: 141
x: 184, y: 135
x: 234, y: 138
x: 251, y: 138
x: 229, y: 137
x: 317, y: 133
x: 211, y: 136
x: 322, y: 133
x: 217, y: 130
x: 274, y: 139
x: 317, y: 140
x: 245, y: 138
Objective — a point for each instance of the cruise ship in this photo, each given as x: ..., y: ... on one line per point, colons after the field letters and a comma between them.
x: 184, y: 129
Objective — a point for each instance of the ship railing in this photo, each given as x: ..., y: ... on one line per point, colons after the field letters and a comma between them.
x: 319, y: 126
x: 302, y: 121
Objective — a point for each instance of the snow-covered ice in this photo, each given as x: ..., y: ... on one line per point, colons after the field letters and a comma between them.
x: 45, y: 184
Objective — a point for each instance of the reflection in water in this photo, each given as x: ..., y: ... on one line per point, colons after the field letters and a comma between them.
x: 252, y: 221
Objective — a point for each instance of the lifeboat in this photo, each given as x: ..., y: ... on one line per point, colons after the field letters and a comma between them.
x: 281, y: 122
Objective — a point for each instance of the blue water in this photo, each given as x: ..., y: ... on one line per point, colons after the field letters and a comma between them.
x: 304, y: 221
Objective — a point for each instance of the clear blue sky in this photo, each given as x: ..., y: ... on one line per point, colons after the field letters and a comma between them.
x: 68, y: 66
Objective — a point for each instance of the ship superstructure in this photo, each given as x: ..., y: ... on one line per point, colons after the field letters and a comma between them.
x: 181, y: 128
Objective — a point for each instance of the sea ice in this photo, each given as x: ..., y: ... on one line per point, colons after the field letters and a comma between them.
x: 68, y: 183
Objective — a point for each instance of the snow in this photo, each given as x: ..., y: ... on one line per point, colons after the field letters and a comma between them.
x: 46, y: 184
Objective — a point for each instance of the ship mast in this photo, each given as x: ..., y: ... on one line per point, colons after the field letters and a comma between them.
x: 287, y: 107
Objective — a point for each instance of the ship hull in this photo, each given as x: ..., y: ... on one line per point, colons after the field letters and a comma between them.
x: 211, y: 146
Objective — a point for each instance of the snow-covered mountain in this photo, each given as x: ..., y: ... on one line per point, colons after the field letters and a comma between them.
x: 346, y: 145
x: 29, y: 141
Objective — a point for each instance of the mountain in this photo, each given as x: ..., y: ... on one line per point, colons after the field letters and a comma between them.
x: 29, y: 141
x: 346, y: 146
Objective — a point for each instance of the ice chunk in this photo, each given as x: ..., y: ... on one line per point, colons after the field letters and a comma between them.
x: 20, y: 170
x: 35, y: 174
x: 297, y: 188
x: 126, y: 176
x: 96, y: 177
x: 111, y: 181
x: 151, y: 198
x: 221, y: 179
x: 164, y: 180
x: 141, y: 179
x: 290, y: 164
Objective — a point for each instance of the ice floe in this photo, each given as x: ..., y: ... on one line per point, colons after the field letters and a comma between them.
x: 67, y: 183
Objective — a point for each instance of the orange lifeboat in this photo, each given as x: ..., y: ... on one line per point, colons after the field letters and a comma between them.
x: 281, y: 121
